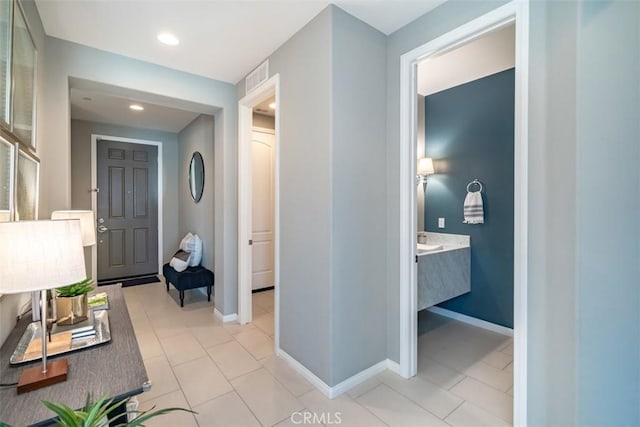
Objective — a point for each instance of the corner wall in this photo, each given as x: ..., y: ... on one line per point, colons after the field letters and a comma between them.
x: 196, y: 217
x: 304, y: 65
x: 358, y: 212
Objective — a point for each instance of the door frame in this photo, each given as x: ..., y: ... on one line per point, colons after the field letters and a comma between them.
x: 518, y: 12
x: 95, y: 138
x: 245, y: 128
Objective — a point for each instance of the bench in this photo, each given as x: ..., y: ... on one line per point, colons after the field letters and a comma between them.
x: 191, y: 278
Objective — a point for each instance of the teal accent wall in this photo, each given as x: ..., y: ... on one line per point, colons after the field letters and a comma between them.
x: 470, y: 134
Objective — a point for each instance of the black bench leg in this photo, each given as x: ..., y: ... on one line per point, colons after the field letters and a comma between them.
x: 181, y: 298
x: 167, y: 283
x: 209, y: 293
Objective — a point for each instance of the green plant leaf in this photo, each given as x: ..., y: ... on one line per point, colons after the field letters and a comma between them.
x: 75, y: 289
x: 68, y: 417
x: 148, y: 415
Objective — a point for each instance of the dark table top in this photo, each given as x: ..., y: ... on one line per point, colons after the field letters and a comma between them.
x: 114, y: 369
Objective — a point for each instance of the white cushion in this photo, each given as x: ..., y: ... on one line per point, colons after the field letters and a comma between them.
x: 192, y: 243
x: 180, y: 261
x: 196, y: 254
x: 185, y: 241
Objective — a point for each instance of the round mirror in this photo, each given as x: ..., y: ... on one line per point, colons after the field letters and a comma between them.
x: 196, y: 176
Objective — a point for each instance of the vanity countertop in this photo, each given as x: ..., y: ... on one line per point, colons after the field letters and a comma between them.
x: 446, y: 242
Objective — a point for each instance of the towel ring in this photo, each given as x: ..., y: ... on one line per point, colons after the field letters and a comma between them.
x: 475, y: 181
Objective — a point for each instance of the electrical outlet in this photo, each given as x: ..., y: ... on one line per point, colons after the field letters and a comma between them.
x: 440, y: 222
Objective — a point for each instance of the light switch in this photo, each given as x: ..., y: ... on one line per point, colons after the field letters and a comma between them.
x: 440, y: 222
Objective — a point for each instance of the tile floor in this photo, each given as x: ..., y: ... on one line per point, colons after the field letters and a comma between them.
x: 229, y: 375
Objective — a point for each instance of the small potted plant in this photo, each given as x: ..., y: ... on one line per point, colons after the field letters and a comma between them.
x: 71, y: 302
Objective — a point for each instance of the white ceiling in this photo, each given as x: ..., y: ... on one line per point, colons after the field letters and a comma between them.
x: 479, y: 58
x: 110, y: 104
x: 220, y: 39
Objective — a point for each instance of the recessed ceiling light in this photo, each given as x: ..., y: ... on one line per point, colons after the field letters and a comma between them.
x: 272, y: 105
x: 136, y: 107
x: 168, y: 39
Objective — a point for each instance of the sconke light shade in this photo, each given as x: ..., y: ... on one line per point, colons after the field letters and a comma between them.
x: 37, y: 255
x: 425, y: 166
x: 87, y: 224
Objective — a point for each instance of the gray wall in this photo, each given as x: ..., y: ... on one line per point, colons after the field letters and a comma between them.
x: 304, y: 65
x: 476, y: 142
x: 332, y: 280
x: 64, y: 60
x: 197, y: 217
x: 358, y: 199
x: 81, y: 132
x: 264, y: 121
x: 11, y: 304
x: 608, y: 206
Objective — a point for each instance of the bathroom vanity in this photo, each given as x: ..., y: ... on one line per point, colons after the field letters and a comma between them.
x: 444, y: 268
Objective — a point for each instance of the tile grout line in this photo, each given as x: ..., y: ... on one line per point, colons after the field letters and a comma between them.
x: 367, y: 409
x: 419, y: 405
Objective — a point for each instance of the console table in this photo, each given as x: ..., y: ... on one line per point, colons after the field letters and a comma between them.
x: 114, y: 369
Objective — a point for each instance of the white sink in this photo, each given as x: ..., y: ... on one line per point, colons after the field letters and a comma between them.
x: 422, y: 248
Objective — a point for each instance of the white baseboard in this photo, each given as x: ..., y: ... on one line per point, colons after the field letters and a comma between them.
x: 225, y: 318
x: 358, y: 378
x: 393, y: 366
x: 307, y: 374
x: 472, y: 321
x: 344, y: 386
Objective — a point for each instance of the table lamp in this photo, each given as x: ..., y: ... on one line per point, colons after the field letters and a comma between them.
x: 87, y: 224
x: 38, y: 256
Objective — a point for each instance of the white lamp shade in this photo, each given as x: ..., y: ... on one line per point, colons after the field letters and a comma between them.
x: 425, y: 166
x: 87, y: 224
x: 37, y: 255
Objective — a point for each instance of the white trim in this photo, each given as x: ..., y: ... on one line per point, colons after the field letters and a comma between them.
x: 503, y: 330
x: 245, y: 128
x: 94, y: 196
x: 518, y: 11
x: 307, y: 374
x: 393, y: 366
x: 226, y: 318
x: 342, y: 387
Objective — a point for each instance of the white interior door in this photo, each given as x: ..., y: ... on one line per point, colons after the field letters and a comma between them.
x: 262, y: 151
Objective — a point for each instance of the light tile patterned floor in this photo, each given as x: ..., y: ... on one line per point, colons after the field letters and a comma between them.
x: 229, y: 375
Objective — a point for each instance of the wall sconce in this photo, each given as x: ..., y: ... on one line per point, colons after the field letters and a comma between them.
x: 425, y: 168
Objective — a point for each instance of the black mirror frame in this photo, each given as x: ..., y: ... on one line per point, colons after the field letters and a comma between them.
x: 195, y: 194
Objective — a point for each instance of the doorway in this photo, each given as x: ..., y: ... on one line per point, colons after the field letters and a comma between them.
x: 258, y: 196
x: 514, y: 12
x: 262, y: 153
x: 129, y: 207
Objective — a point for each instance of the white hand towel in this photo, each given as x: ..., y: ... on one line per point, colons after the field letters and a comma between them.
x: 473, y: 210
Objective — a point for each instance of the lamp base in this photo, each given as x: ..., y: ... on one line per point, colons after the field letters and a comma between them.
x: 33, y: 378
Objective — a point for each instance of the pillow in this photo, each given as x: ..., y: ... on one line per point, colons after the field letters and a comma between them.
x: 192, y: 243
x: 185, y: 240
x: 196, y: 253
x: 180, y: 260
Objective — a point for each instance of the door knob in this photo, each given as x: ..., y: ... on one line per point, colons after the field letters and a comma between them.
x: 102, y: 228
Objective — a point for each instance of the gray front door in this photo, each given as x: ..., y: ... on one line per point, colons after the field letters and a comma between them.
x: 127, y: 209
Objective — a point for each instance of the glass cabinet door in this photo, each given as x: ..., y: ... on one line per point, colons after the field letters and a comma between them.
x: 5, y: 62
x: 27, y: 187
x: 24, y: 66
x: 6, y: 179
